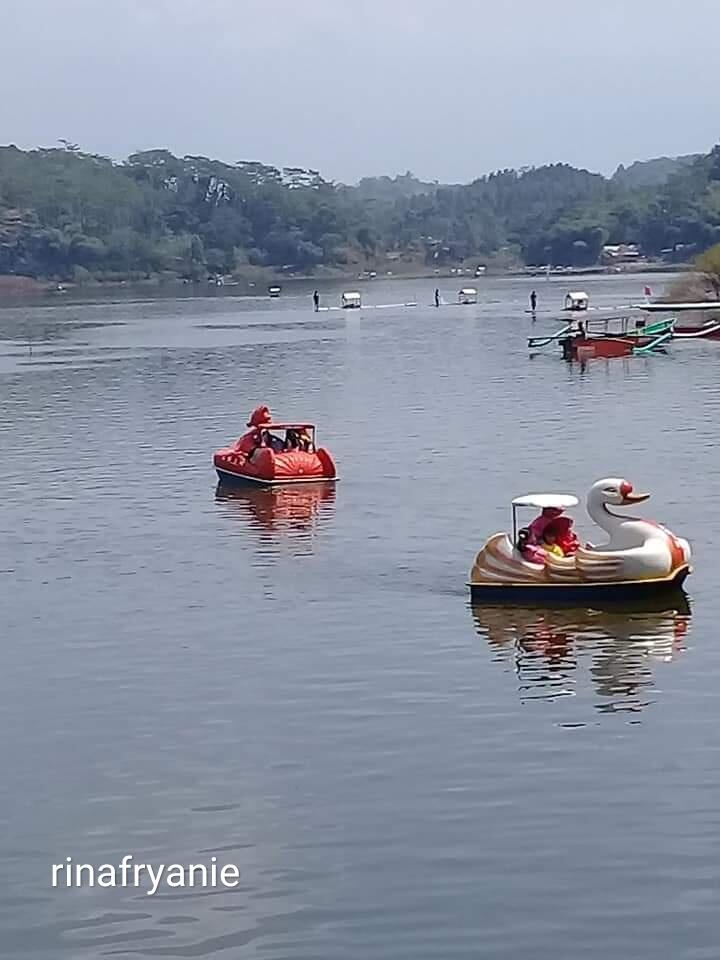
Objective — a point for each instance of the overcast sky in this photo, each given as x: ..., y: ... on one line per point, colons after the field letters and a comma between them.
x: 364, y: 87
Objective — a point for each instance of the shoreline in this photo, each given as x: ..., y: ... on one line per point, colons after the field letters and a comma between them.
x: 19, y: 287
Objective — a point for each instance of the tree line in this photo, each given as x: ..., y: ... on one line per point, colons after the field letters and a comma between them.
x: 67, y: 214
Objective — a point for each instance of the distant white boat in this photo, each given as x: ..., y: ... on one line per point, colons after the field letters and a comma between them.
x: 351, y: 300
x: 468, y: 295
x: 578, y: 300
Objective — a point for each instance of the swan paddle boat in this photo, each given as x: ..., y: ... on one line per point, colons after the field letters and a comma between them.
x: 262, y: 457
x: 545, y: 563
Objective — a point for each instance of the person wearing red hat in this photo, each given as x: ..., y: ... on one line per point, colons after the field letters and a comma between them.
x: 254, y: 437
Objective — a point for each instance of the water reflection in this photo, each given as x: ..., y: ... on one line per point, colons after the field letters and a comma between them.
x: 549, y: 649
x: 279, y: 514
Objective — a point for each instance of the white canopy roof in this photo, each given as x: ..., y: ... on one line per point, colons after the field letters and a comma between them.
x: 561, y: 500
x: 578, y: 295
x: 469, y: 290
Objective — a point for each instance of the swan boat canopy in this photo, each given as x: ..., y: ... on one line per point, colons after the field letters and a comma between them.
x: 545, y: 563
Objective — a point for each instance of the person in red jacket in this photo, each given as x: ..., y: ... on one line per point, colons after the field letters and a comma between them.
x: 253, y: 438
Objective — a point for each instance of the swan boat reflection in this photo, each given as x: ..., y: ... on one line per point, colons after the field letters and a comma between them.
x: 621, y: 649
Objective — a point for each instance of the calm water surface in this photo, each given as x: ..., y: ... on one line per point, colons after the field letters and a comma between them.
x: 296, y: 682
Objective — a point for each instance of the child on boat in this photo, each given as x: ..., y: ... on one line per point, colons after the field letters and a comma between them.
x: 559, y: 538
x: 537, y: 527
x: 274, y: 442
x: 529, y: 551
x: 298, y: 439
x: 549, y: 542
x: 553, y: 530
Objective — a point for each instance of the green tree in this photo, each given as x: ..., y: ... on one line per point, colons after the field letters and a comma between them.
x: 708, y: 264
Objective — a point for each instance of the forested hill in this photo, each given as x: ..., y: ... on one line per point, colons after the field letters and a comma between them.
x: 652, y: 173
x: 66, y: 214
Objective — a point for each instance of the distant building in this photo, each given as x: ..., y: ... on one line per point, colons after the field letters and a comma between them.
x: 613, y: 253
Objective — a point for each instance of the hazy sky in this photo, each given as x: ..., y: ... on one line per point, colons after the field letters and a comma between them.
x: 447, y: 90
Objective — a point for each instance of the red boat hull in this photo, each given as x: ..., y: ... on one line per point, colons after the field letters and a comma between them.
x: 264, y: 466
x: 590, y: 348
x: 697, y: 332
x: 582, y: 348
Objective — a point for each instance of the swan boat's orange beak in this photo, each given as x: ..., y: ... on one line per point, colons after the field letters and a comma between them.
x: 629, y: 496
x: 635, y: 497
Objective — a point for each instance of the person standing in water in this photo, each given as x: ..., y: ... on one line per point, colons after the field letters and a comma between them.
x: 533, y: 301
x: 316, y: 301
x: 437, y: 297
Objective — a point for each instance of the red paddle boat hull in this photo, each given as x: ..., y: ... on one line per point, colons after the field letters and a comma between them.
x: 266, y: 467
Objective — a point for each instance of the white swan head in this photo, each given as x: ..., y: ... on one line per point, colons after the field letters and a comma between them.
x: 613, y: 492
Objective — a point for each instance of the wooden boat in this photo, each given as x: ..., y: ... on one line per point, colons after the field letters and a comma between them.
x: 640, y: 561
x: 608, y: 337
x: 261, y: 457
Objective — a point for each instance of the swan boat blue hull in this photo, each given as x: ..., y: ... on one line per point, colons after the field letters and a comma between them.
x: 580, y: 594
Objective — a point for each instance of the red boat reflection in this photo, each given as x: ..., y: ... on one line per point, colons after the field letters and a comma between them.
x: 279, y: 508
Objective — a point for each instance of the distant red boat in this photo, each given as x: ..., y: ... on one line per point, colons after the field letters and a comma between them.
x: 260, y: 456
x: 607, y: 338
x: 606, y: 347
x: 710, y: 330
x: 706, y: 325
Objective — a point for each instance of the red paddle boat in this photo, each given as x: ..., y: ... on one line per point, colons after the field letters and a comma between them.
x: 261, y: 456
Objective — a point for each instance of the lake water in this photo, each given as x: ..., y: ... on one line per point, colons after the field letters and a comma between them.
x: 296, y: 683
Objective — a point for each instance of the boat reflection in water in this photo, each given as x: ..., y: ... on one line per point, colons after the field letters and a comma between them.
x: 554, y: 652
x: 292, y: 511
